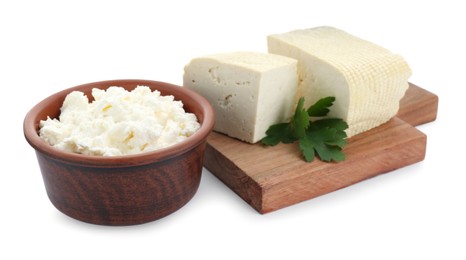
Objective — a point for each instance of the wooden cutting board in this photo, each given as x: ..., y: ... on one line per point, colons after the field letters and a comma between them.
x: 271, y: 178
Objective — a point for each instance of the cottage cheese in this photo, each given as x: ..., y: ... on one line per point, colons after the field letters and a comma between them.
x: 118, y: 122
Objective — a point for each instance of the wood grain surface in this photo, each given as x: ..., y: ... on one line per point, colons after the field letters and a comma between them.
x: 271, y: 178
x: 418, y: 106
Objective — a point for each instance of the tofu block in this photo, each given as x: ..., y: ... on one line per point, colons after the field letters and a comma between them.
x: 249, y: 91
x: 367, y: 80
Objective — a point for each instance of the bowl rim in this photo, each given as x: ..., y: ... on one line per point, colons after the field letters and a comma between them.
x: 207, y: 123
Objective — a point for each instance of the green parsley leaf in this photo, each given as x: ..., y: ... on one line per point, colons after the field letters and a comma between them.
x: 327, y: 142
x: 320, y: 108
x: 278, y: 133
x: 306, y: 145
x: 324, y: 137
x: 300, y: 121
x: 336, y: 123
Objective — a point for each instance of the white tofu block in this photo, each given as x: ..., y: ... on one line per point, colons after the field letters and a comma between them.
x: 367, y: 80
x: 249, y: 91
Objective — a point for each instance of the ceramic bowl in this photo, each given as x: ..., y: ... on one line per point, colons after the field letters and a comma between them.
x: 121, y: 190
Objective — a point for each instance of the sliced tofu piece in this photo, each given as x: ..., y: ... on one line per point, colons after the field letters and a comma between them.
x: 249, y: 91
x: 367, y: 80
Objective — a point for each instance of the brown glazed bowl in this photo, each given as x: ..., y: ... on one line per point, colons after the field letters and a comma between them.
x: 121, y: 190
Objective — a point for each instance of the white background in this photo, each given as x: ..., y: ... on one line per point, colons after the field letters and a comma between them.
x: 417, y: 212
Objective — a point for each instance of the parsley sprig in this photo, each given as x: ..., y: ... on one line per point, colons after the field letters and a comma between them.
x: 324, y: 136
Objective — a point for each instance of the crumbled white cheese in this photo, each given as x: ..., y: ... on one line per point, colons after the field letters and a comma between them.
x: 118, y: 122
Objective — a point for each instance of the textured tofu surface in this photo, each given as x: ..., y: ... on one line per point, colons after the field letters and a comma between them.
x: 249, y: 91
x: 367, y: 80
